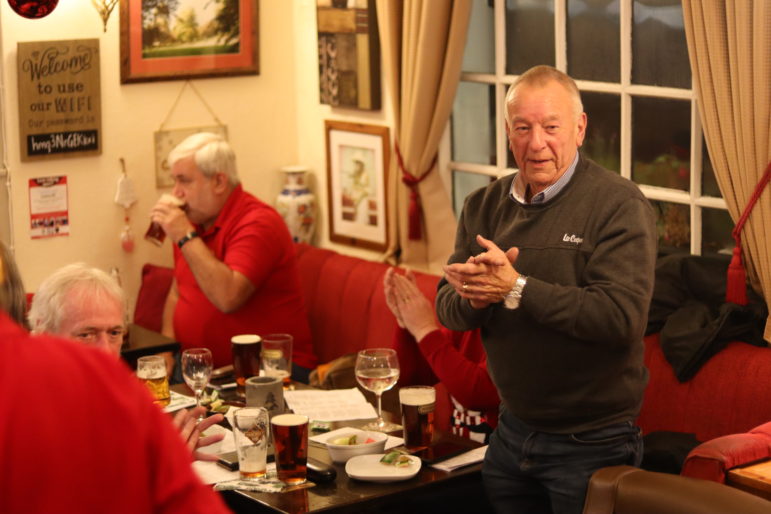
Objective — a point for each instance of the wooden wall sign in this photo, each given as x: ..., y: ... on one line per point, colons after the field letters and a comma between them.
x: 60, y: 112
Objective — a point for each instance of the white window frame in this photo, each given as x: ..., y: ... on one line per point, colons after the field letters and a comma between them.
x: 692, y: 198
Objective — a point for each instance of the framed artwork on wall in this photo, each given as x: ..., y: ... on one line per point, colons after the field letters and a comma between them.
x: 349, y: 53
x: 357, y: 166
x: 184, y: 39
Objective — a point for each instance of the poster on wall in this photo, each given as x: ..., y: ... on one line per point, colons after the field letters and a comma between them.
x: 48, y: 211
x: 59, y: 99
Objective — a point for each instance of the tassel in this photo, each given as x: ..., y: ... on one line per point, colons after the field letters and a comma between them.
x: 414, y: 212
x: 736, y: 279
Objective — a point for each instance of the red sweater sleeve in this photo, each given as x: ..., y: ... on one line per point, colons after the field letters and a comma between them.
x: 413, y: 368
x: 459, y: 361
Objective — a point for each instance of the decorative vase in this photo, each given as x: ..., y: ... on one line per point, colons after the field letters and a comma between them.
x: 296, y: 204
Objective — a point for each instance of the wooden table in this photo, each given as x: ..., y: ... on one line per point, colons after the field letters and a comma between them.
x: 141, y: 341
x: 755, y: 479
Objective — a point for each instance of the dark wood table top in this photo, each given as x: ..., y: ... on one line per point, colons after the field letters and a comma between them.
x: 141, y: 341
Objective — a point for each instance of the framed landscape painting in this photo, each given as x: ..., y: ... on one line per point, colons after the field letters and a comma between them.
x: 357, y: 164
x: 184, y: 39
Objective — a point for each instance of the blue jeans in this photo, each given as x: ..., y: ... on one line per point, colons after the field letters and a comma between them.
x: 533, y: 472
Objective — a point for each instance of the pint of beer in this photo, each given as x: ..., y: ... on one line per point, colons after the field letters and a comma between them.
x: 155, y: 233
x: 417, y: 405
x: 251, y: 436
x: 246, y: 359
x: 151, y: 369
x: 290, y: 443
x: 276, y: 357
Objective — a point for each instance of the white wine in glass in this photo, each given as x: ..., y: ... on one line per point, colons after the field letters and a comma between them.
x: 197, y: 366
x: 377, y: 370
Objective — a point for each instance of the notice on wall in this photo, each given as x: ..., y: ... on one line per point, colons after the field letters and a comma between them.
x: 48, y: 212
x: 59, y: 99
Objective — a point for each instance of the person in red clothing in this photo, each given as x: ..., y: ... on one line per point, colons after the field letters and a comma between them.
x: 235, y: 270
x: 80, y: 434
x: 430, y: 354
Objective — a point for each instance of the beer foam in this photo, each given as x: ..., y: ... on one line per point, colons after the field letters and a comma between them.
x: 289, y: 420
x: 151, y: 374
x: 417, y: 396
x: 171, y: 200
x: 245, y: 339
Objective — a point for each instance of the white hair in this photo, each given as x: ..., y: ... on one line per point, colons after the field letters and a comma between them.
x: 211, y: 154
x: 540, y: 76
x: 49, y: 302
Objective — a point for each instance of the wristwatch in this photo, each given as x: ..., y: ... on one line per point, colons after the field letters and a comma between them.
x: 187, y: 237
x: 512, y: 298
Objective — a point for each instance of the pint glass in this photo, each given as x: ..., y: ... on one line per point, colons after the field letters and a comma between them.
x: 246, y: 359
x: 251, y: 436
x: 155, y: 233
x: 290, y: 443
x: 417, y: 405
x: 151, y: 369
x: 276, y: 357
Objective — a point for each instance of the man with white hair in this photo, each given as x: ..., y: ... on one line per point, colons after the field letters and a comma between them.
x: 85, y: 304
x: 235, y: 270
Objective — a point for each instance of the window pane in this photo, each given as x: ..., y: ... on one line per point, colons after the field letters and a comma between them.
x: 659, y: 50
x: 673, y: 221
x: 716, y: 227
x: 603, y: 130
x: 593, y: 40
x: 473, y: 123
x: 464, y: 183
x: 479, y: 56
x: 709, y: 185
x: 661, y: 136
x: 529, y: 34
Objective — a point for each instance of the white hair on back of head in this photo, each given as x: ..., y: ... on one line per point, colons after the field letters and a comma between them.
x: 210, y: 152
x: 49, y: 302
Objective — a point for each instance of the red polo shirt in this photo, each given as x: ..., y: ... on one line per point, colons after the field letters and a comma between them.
x: 250, y: 237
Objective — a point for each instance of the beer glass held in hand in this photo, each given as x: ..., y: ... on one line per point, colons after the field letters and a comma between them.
x: 417, y: 406
x: 246, y: 359
x: 155, y: 233
x: 290, y: 443
x: 251, y: 432
x: 151, y: 369
x: 276, y: 357
x: 196, y: 369
x: 377, y: 370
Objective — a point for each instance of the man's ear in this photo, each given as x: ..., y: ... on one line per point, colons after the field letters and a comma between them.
x: 221, y: 182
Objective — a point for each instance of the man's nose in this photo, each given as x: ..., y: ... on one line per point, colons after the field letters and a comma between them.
x: 537, y: 138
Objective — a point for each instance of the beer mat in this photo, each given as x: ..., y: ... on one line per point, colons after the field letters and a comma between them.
x: 268, y: 484
x: 464, y: 459
x: 332, y: 405
x: 179, y: 401
x: 321, y: 440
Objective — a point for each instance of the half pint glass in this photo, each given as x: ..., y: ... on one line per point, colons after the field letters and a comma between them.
x: 246, y: 359
x: 151, y: 369
x: 290, y: 443
x: 417, y: 405
x: 155, y: 233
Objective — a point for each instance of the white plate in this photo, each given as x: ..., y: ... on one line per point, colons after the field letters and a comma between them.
x: 369, y: 468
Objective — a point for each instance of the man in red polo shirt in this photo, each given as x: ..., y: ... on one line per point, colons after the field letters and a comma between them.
x: 235, y: 270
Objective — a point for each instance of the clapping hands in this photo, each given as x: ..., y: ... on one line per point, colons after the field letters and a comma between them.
x: 411, y: 308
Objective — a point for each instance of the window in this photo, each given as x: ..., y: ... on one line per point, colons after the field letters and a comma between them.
x: 630, y: 61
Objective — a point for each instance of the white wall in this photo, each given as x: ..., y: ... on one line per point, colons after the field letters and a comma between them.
x: 273, y: 119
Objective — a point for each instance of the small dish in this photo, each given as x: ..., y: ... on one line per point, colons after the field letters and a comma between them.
x: 340, y: 453
x: 370, y: 469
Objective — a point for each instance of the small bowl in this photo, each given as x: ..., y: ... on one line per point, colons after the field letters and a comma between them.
x: 340, y: 453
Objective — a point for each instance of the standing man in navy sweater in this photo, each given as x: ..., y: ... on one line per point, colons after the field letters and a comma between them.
x: 555, y: 264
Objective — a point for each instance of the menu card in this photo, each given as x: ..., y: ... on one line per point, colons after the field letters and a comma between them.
x: 334, y: 405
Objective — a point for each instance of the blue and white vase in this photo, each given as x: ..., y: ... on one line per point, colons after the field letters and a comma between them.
x: 297, y: 205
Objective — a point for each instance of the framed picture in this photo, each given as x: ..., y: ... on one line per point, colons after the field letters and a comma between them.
x: 187, y: 39
x: 357, y: 165
x: 166, y: 140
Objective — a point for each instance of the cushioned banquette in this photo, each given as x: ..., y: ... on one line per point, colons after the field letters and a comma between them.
x: 347, y: 312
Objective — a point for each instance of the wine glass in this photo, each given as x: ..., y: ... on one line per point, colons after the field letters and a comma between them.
x: 196, y: 369
x: 377, y: 370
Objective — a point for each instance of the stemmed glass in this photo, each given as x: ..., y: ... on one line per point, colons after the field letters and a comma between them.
x: 377, y: 370
x: 197, y: 366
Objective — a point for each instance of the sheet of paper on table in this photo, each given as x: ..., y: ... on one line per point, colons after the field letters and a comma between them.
x: 464, y: 459
x: 334, y: 405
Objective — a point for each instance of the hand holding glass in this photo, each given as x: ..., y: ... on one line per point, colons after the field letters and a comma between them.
x: 377, y: 370
x: 196, y: 369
